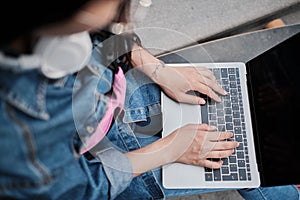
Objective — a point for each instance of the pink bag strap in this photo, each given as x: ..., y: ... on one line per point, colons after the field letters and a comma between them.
x: 116, y: 101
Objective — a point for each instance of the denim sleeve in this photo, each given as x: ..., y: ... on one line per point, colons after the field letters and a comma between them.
x: 118, y: 170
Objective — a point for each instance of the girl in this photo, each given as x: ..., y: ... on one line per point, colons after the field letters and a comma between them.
x: 69, y: 130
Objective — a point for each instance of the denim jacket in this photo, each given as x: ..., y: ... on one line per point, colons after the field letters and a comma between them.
x: 44, y: 122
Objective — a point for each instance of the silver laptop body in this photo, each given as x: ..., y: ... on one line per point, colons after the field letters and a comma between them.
x: 239, y: 170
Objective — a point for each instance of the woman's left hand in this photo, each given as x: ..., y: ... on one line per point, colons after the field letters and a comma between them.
x: 178, y: 81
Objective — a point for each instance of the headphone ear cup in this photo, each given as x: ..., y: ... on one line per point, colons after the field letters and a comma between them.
x: 62, y: 55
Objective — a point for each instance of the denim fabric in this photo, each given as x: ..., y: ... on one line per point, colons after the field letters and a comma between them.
x: 276, y: 192
x: 40, y: 120
x: 43, y: 124
x: 142, y: 97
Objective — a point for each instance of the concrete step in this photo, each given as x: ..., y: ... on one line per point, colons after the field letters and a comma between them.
x: 169, y: 25
x: 289, y: 15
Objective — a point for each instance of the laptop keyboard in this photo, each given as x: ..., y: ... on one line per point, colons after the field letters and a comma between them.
x: 228, y: 116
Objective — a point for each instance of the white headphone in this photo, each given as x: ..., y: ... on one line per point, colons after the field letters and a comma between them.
x: 56, y: 56
x: 62, y: 55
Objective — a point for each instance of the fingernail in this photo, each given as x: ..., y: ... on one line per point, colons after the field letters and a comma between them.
x: 213, y: 127
x: 238, y: 144
x: 202, y: 101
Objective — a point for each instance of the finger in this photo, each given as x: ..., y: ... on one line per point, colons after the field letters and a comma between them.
x: 219, y: 154
x: 218, y: 88
x: 215, y: 136
x: 212, y: 83
x: 206, y: 127
x: 209, y: 75
x: 223, y: 145
x: 204, y: 71
x: 211, y: 164
x: 218, y: 146
x: 191, y: 99
x: 204, y: 89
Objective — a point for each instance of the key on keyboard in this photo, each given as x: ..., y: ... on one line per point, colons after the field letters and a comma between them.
x: 228, y: 116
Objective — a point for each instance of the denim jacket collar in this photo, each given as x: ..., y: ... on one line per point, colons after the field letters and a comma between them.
x: 16, y: 91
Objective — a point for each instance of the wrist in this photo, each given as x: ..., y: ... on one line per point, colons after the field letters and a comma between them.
x: 147, y: 63
x: 158, y: 66
x: 150, y: 157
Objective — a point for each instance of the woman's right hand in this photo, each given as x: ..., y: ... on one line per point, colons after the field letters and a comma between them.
x: 191, y: 144
x: 196, y: 143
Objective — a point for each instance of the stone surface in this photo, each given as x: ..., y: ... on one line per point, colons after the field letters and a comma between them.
x: 167, y: 25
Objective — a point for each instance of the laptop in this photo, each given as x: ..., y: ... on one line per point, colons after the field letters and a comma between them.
x: 262, y: 109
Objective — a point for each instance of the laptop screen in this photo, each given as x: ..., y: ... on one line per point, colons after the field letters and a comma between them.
x: 274, y: 94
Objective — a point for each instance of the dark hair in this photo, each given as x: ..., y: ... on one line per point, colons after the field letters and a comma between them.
x: 21, y: 17
x: 116, y: 49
